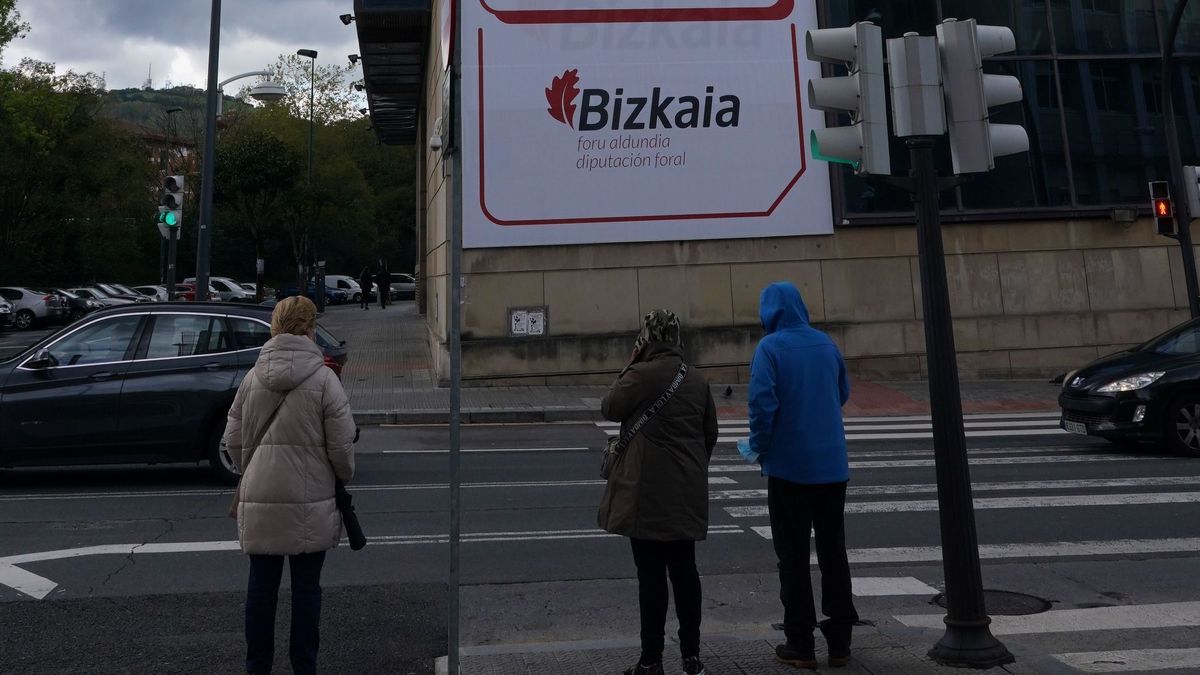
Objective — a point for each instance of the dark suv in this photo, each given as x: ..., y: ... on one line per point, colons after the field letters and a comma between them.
x: 138, y: 383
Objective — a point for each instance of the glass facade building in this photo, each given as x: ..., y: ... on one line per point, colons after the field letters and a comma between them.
x: 1090, y: 70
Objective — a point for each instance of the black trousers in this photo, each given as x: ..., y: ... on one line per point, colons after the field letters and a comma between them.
x: 797, y: 510
x: 656, y: 560
x: 262, y: 595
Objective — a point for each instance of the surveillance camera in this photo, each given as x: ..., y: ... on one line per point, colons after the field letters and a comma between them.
x: 346, y: 18
x: 435, y: 142
x: 353, y: 59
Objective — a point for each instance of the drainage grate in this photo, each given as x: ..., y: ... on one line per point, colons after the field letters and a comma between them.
x: 1005, y: 603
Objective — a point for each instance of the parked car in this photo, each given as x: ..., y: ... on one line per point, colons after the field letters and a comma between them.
x: 77, y: 305
x: 187, y: 292
x: 1148, y: 393
x: 228, y: 289
x: 333, y: 296
x: 31, y: 307
x: 252, y: 288
x: 138, y: 383
x: 114, y: 292
x: 404, y: 286
x: 94, y: 293
x: 350, y: 285
x: 6, y: 313
x: 154, y: 292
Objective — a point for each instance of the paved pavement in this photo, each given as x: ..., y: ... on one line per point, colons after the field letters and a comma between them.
x: 390, y: 381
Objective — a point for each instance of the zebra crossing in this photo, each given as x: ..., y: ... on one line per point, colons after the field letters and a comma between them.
x: 1089, y: 483
x: 909, y: 427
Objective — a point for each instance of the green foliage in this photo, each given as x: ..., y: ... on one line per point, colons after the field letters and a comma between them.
x: 11, y: 26
x: 72, y: 184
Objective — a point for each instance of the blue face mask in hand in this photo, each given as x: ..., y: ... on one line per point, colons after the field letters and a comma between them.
x: 743, y: 446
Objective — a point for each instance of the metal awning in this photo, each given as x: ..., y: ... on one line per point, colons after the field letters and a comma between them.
x: 393, y: 39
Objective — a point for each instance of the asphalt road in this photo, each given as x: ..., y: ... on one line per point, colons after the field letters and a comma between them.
x: 141, y: 562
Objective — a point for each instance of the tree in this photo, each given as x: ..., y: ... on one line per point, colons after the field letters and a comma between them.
x: 334, y: 97
x: 257, y: 171
x: 11, y: 26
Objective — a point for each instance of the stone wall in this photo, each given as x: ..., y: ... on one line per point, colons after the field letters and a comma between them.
x: 1029, y: 299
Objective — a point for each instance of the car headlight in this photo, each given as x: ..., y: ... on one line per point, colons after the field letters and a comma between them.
x: 1132, y: 383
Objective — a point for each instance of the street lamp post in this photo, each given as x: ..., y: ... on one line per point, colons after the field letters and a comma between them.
x: 319, y: 275
x: 267, y: 92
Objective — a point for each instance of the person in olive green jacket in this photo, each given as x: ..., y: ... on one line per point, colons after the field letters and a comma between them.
x: 657, y: 494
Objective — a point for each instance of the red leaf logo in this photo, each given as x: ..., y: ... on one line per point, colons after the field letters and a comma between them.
x: 561, y: 96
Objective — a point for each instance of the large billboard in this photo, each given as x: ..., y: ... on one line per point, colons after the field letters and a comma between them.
x: 638, y: 120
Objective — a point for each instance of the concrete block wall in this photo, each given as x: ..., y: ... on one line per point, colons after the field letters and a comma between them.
x: 1029, y: 299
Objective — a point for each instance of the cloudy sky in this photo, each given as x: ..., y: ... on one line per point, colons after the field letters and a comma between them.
x: 121, y: 39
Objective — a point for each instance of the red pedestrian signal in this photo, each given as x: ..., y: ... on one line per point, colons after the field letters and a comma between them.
x: 1163, y: 208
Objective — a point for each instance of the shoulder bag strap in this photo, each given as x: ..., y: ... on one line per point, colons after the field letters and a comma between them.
x: 654, y: 408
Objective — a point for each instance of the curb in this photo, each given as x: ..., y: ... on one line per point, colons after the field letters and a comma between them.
x: 477, y: 416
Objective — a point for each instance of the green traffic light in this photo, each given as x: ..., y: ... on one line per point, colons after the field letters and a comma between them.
x: 818, y: 155
x: 169, y: 219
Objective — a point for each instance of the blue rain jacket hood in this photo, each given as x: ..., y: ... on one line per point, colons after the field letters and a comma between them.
x: 798, y: 385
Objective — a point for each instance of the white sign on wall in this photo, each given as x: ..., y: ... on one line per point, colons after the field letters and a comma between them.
x: 646, y: 120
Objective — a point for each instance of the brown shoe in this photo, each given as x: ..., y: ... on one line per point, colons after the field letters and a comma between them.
x: 793, y: 657
x: 839, y: 661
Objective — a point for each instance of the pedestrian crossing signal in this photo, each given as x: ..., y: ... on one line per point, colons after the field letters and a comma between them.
x: 1162, y: 208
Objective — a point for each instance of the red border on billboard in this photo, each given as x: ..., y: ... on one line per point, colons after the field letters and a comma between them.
x: 634, y: 219
x: 777, y: 11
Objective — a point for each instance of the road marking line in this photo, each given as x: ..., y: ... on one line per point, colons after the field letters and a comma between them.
x: 974, y: 461
x: 1132, y: 659
x: 849, y: 419
x: 1127, y: 617
x: 988, y: 503
x: 1005, y: 427
x: 931, y: 488
x: 924, y: 436
x: 480, y: 451
x: 881, y: 586
x: 1061, y: 549
x: 25, y: 582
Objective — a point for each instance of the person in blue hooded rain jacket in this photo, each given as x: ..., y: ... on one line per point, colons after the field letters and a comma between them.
x: 798, y: 385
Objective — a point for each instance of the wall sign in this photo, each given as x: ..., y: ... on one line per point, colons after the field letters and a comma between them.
x: 527, y: 321
x: 646, y: 120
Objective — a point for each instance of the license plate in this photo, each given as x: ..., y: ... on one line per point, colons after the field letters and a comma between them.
x: 1076, y: 428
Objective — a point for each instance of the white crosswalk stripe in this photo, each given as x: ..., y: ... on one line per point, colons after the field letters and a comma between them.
x: 910, y: 427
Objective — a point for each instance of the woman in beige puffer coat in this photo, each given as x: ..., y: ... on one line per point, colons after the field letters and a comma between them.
x: 297, y: 410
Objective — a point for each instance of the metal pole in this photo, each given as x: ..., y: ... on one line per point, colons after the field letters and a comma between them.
x: 319, y: 282
x: 165, y: 165
x: 1183, y: 219
x: 204, y: 234
x: 456, y: 219
x: 968, y: 641
x: 172, y: 245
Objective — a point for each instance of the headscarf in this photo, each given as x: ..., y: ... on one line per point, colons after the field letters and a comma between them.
x: 660, y: 325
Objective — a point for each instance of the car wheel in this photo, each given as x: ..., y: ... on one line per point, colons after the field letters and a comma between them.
x: 23, y: 320
x: 223, y: 468
x: 357, y: 297
x: 1183, y: 425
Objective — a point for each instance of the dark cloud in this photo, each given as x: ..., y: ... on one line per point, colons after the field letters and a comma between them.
x: 121, y: 38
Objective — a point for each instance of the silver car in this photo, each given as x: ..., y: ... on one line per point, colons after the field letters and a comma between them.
x: 6, y: 313
x: 93, y: 293
x: 31, y: 306
x: 154, y: 292
x: 228, y: 289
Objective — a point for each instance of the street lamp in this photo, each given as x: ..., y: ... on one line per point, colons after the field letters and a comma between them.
x: 311, y: 54
x: 263, y: 91
x: 211, y: 108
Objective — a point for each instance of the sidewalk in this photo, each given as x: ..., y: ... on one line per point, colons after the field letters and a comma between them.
x: 874, y: 653
x: 390, y: 381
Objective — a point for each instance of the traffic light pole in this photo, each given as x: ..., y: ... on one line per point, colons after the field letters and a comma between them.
x: 172, y: 241
x: 968, y: 641
x: 1183, y: 219
x: 204, y: 233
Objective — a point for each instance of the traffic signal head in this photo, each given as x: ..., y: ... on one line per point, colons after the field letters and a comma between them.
x: 171, y: 205
x: 861, y: 94
x: 969, y: 92
x: 1163, y: 207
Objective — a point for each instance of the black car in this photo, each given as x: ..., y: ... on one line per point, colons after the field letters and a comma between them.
x: 78, y: 305
x: 132, y: 384
x: 1148, y: 393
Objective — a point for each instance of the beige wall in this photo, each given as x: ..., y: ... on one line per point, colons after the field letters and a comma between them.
x: 1029, y: 299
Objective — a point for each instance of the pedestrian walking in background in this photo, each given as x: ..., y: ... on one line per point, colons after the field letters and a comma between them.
x: 385, y: 285
x: 657, y: 494
x: 290, y: 433
x: 365, y: 281
x: 798, y: 385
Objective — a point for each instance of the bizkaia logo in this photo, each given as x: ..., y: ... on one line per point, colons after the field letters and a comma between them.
x: 616, y: 110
